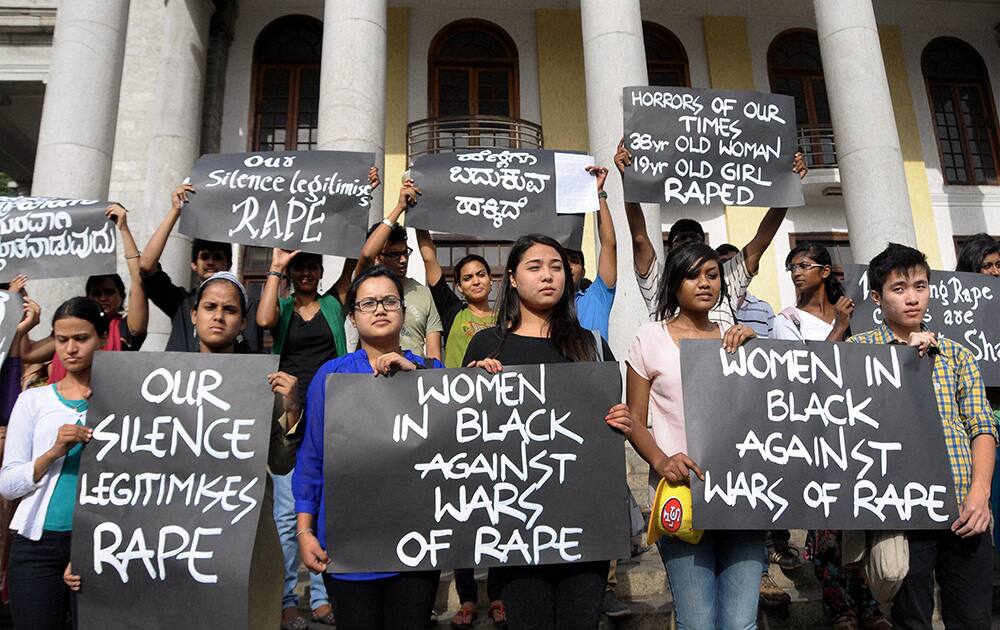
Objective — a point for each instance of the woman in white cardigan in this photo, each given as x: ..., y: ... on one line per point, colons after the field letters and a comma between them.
x: 46, y: 433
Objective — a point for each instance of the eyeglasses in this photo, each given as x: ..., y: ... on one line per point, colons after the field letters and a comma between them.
x: 208, y: 255
x: 397, y: 255
x: 988, y: 267
x: 369, y: 305
x: 99, y: 293
x: 802, y: 266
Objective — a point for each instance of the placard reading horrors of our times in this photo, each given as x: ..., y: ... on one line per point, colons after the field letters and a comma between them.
x: 316, y: 201
x: 44, y: 237
x: 705, y: 147
x: 499, y: 193
x: 963, y: 306
x: 170, y: 490
x: 460, y: 468
x: 815, y: 435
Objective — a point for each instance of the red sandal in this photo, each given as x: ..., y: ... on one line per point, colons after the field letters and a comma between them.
x: 465, y: 616
x: 498, y: 614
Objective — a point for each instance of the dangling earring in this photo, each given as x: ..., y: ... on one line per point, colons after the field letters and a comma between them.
x: 239, y: 338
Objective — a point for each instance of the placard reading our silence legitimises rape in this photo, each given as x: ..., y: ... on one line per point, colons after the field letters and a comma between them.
x: 705, y: 147
x: 171, y: 489
x: 963, y: 306
x: 315, y: 201
x: 461, y: 468
x: 815, y: 436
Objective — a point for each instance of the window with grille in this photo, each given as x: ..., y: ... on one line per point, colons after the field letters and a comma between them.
x: 965, y: 122
x: 796, y: 69
x: 666, y: 60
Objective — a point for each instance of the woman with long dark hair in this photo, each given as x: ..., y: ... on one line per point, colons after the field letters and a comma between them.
x: 715, y: 582
x: 822, y: 312
x: 47, y: 431
x: 980, y: 254
x: 537, y: 323
x: 361, y: 600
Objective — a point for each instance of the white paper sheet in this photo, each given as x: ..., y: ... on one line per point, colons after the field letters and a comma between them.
x: 576, y: 189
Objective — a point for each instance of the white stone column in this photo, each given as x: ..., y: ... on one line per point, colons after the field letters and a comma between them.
x: 175, y: 138
x: 352, y: 82
x: 614, y: 58
x: 864, y: 126
x: 77, y: 133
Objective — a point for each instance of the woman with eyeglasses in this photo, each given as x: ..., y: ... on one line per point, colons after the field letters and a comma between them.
x: 126, y: 326
x: 823, y: 313
x: 373, y: 601
x: 308, y: 331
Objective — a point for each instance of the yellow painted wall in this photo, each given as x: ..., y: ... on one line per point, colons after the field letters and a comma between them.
x: 396, y: 74
x: 562, y: 95
x: 909, y: 143
x: 730, y: 67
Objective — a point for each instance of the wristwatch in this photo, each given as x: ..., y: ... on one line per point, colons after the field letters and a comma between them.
x: 389, y: 224
x: 276, y: 274
x: 602, y: 195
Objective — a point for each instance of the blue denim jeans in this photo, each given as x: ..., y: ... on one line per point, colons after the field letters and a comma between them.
x: 716, y: 582
x: 284, y: 518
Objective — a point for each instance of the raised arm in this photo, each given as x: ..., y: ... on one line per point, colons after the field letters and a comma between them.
x: 607, y: 260
x: 769, y: 225
x: 643, y: 253
x: 343, y: 283
x: 138, y: 306
x: 428, y: 251
x: 267, y: 308
x: 150, y: 257
x: 373, y: 246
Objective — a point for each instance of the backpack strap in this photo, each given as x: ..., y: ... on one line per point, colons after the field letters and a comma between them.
x: 792, y: 315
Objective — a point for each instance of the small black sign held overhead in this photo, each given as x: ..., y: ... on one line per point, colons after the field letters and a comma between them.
x: 44, y: 237
x: 504, y: 194
x: 171, y: 491
x: 315, y: 201
x: 710, y: 147
x: 461, y: 468
x: 964, y: 307
x: 815, y: 435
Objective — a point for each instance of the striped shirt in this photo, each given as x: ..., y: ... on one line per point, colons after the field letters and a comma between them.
x: 961, y: 400
x: 757, y: 314
x: 737, y: 280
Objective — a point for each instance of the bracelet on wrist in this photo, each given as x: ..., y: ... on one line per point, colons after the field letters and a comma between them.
x: 303, y: 531
x: 602, y: 194
x: 133, y: 257
x: 277, y: 274
x: 389, y: 224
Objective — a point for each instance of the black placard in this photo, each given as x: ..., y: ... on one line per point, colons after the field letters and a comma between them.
x: 963, y: 306
x: 706, y: 147
x: 815, y: 436
x: 492, y: 193
x: 461, y: 468
x: 315, y: 201
x: 177, y: 470
x: 45, y: 237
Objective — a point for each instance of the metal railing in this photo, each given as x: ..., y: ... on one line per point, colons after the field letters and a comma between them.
x: 818, y: 144
x: 443, y: 135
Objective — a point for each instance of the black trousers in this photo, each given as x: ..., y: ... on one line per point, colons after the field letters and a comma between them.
x: 468, y: 590
x: 39, y: 599
x: 401, y: 602
x: 551, y: 597
x: 963, y: 568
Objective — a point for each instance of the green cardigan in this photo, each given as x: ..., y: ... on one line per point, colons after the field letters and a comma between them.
x: 332, y: 312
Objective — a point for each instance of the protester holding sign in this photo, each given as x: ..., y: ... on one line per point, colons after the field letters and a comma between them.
x: 714, y: 582
x: 176, y: 302
x: 47, y: 431
x: 308, y: 330
x: 536, y: 324
x: 961, y: 559
x: 739, y: 270
x: 386, y: 245
x: 593, y: 304
x: 376, y: 307
x: 823, y: 313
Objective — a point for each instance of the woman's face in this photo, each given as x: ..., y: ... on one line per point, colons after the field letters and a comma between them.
x: 306, y: 275
x: 218, y: 318
x: 540, y: 277
x: 76, y: 343
x: 374, y: 320
x: 807, y: 274
x: 991, y: 265
x: 699, y: 291
x: 104, y: 292
x: 474, y: 281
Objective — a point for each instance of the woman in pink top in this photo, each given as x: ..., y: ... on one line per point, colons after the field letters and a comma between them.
x: 715, y: 582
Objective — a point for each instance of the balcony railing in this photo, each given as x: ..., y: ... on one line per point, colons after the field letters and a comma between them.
x: 818, y: 144
x: 443, y: 135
